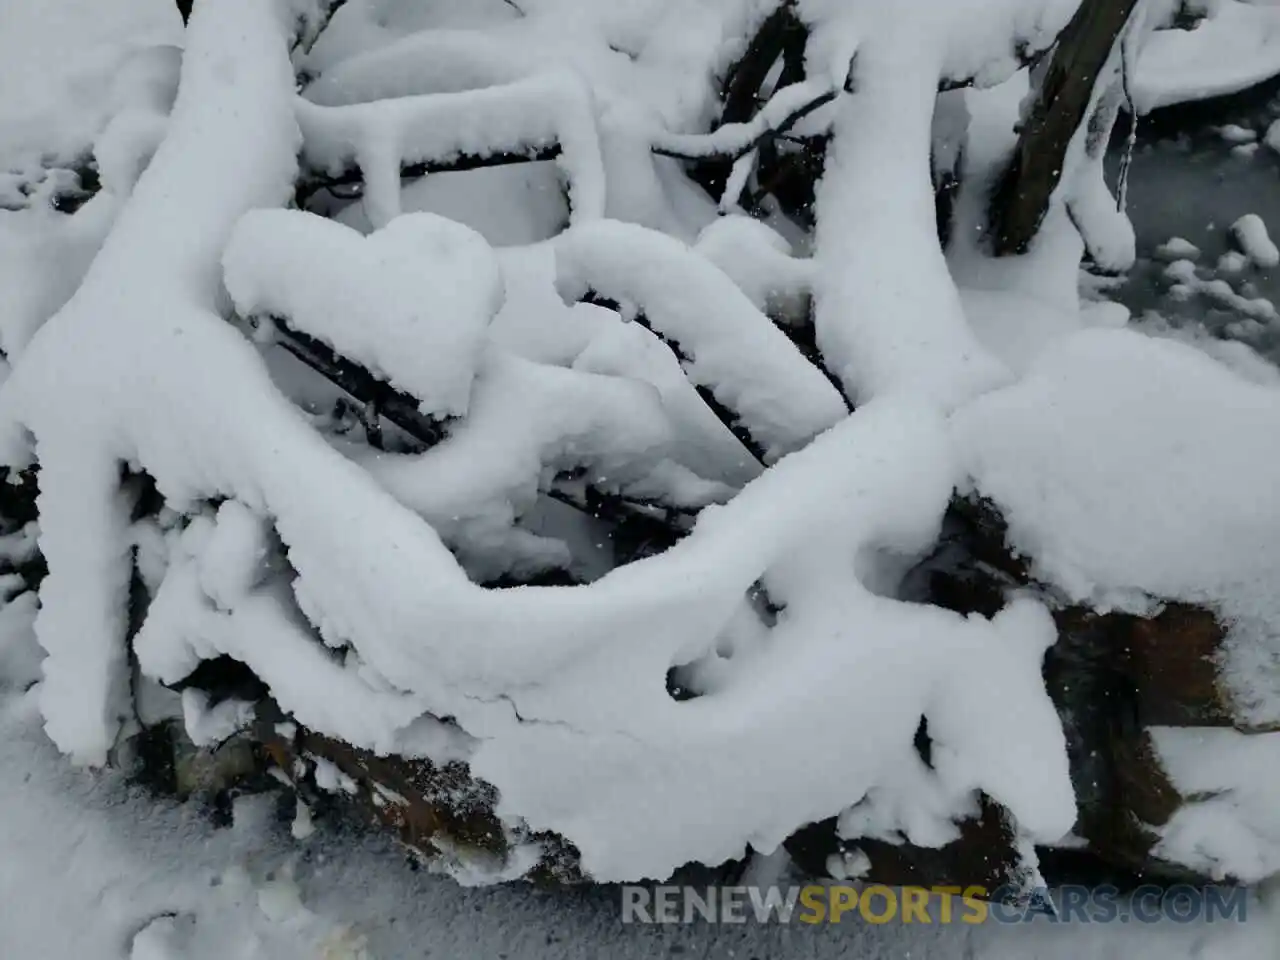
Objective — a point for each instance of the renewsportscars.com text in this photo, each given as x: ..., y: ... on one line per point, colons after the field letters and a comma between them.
x: 877, y: 904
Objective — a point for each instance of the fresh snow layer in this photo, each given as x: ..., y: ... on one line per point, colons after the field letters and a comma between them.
x: 410, y: 302
x: 1178, y: 248
x: 1250, y: 232
x: 1112, y: 465
x: 1232, y: 828
x: 557, y: 696
x: 90, y: 870
x: 563, y: 689
x: 523, y: 117
x: 889, y: 318
x: 1236, y: 47
x: 233, y: 117
x: 730, y: 347
x: 68, y: 66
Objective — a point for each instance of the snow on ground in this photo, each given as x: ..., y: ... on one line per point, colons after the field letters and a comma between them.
x: 87, y: 865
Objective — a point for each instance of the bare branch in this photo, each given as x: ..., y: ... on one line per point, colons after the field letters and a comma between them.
x: 398, y: 407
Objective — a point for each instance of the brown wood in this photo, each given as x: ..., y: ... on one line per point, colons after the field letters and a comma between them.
x: 432, y: 809
x: 1021, y: 200
x: 985, y: 854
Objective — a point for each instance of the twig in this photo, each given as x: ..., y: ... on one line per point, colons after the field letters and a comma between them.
x: 312, y: 182
x: 305, y: 43
x: 732, y: 156
x: 722, y: 413
x: 400, y: 408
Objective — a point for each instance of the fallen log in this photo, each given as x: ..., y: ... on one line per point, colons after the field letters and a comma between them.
x: 1113, y: 677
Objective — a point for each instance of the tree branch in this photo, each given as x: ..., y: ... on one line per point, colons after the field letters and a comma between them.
x: 398, y: 407
x: 1021, y: 200
x: 312, y: 182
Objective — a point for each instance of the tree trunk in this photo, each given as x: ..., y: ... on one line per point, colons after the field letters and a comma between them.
x: 1022, y: 199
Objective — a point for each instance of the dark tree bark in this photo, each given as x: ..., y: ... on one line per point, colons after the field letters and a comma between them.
x: 1022, y: 199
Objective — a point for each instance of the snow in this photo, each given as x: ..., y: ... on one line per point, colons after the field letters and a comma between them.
x: 149, y: 258
x: 526, y: 418
x: 1233, y: 261
x: 759, y: 261
x: 511, y: 206
x: 1234, y: 133
x: 1090, y: 460
x: 1250, y: 232
x: 522, y: 117
x: 31, y: 242
x: 343, y: 576
x: 730, y: 347
x: 1231, y: 829
x: 209, y: 725
x: 109, y: 54
x: 1236, y: 47
x: 562, y: 689
x: 1178, y: 248
x: 92, y: 870
x: 888, y: 316
x: 1187, y: 281
x: 410, y: 302
x: 735, y: 139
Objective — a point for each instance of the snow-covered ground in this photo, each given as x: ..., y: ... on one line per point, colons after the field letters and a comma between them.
x: 87, y: 865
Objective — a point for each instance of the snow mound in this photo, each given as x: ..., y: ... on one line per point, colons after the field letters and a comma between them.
x: 1232, y: 829
x: 1250, y: 232
x: 1116, y: 474
x: 1236, y: 47
x: 411, y: 302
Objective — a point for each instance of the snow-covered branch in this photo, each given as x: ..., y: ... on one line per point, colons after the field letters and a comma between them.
x: 410, y: 303
x: 784, y: 110
x: 525, y: 118
x: 732, y: 349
